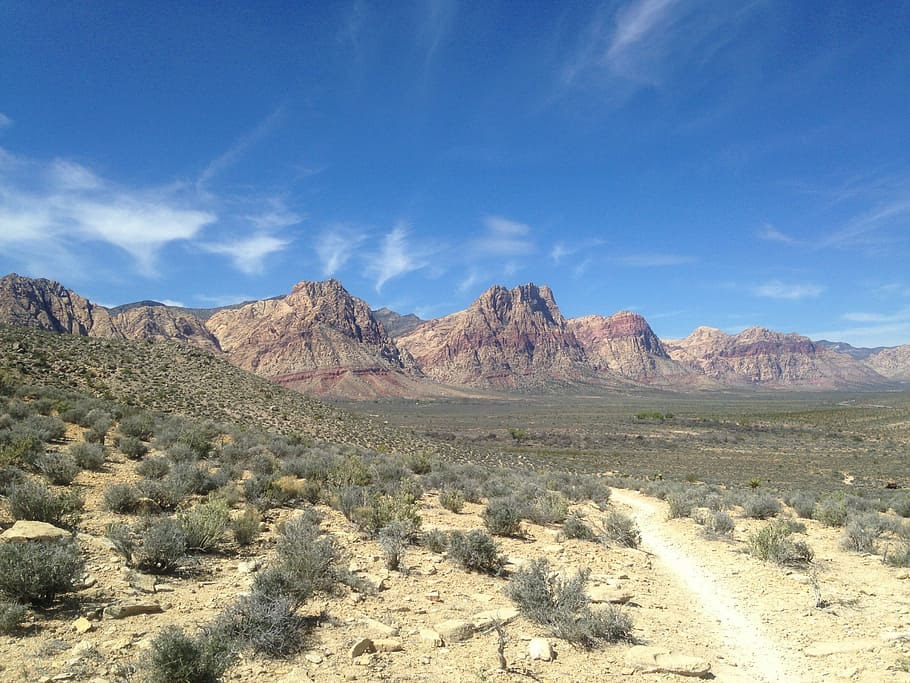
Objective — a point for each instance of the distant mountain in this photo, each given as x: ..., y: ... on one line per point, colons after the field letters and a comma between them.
x: 893, y: 363
x: 157, y: 322
x: 506, y: 339
x: 758, y: 356
x: 397, y: 325
x: 857, y: 352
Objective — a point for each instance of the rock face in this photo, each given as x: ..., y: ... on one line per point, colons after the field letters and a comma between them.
x: 624, y: 343
x: 48, y: 305
x: 397, y: 325
x: 758, y: 356
x: 318, y: 336
x: 157, y: 322
x: 505, y: 339
x: 893, y: 363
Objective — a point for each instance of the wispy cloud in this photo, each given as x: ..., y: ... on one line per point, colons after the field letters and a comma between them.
x: 67, y: 203
x: 5, y: 121
x: 771, y: 234
x: 775, y: 289
x: 903, y: 315
x: 434, y: 24
x: 470, y: 281
x: 248, y: 254
x: 232, y: 155
x: 652, y: 260
x: 173, y: 302
x: 335, y: 246
x: 637, y: 34
x: 396, y: 256
x: 876, y: 225
x: 274, y: 216
x: 503, y: 238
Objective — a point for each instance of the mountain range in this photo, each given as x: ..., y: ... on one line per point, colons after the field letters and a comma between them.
x: 320, y: 340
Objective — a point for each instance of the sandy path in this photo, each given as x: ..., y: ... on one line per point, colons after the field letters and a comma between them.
x: 737, y: 626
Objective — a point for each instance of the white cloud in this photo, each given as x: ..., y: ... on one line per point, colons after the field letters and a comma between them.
x: 503, y: 238
x: 635, y: 25
x: 653, y: 260
x: 560, y: 251
x: 172, y: 302
x: 902, y: 315
x: 225, y: 160
x: 771, y: 234
x: 275, y: 216
x: 5, y: 121
x: 396, y: 257
x: 469, y: 282
x: 775, y: 289
x: 335, y: 246
x: 885, y: 334
x: 249, y: 254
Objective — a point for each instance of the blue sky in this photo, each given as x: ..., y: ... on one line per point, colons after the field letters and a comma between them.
x: 701, y: 162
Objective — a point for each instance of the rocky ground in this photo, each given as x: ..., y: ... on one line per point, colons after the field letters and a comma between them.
x: 700, y: 607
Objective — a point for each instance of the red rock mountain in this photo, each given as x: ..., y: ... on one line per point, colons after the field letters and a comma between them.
x: 625, y: 344
x: 157, y: 322
x: 506, y: 339
x: 893, y: 363
x: 758, y: 356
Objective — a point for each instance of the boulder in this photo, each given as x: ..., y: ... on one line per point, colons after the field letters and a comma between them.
x: 24, y: 531
x: 131, y: 609
x: 656, y: 660
x: 540, y: 648
x: 455, y: 630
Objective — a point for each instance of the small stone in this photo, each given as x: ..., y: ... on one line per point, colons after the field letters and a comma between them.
x: 378, y: 629
x: 655, y: 660
x: 486, y: 619
x: 248, y: 567
x: 143, y: 582
x: 455, y: 630
x: 362, y: 646
x: 313, y: 657
x: 433, y: 596
x: 83, y: 625
x: 431, y: 637
x: 840, y: 647
x: 131, y: 609
x: 540, y: 648
x: 24, y: 531
x: 387, y: 645
x: 374, y: 583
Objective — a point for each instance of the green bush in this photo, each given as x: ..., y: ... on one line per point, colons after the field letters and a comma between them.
x: 155, y: 467
x: 475, y: 551
x: 576, y: 527
x: 393, y: 540
x: 120, y: 498
x: 37, y: 572
x: 204, y: 525
x: 562, y: 606
x: 831, y: 510
x: 862, y: 531
x: 306, y: 558
x: 132, y: 447
x: 898, y: 556
x: 452, y: 500
x: 31, y: 499
x: 89, y: 456
x: 621, y: 529
x: 163, y: 547
x: 435, y: 540
x: 901, y: 505
x: 548, y: 507
x: 174, y: 657
x: 802, y: 503
x: 59, y: 468
x: 265, y: 621
x: 245, y: 528
x: 138, y: 425
x: 502, y: 516
x: 761, y: 506
x: 716, y: 522
x: 11, y: 616
x: 773, y: 543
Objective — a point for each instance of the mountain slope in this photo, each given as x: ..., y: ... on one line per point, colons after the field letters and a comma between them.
x: 893, y: 363
x: 396, y: 324
x: 506, y: 339
x: 157, y: 322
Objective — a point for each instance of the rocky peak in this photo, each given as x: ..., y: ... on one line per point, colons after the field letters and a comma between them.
x: 395, y: 323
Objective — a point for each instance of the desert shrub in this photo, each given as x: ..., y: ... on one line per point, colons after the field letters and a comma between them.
x: 154, y: 467
x: 802, y: 503
x: 44, y: 428
x: 393, y: 540
x: 265, y: 621
x: 120, y: 497
x: 548, y: 507
x: 380, y: 510
x: 204, y: 525
x: 575, y: 527
x: 59, y: 468
x: 89, y: 456
x: 773, y: 543
x: 861, y: 532
x: 562, y: 606
x: 306, y: 558
x: 901, y: 505
x: 715, y: 522
x: 245, y: 528
x: 138, y: 425
x: 761, y: 506
x: 418, y: 463
x: 681, y: 503
x: 621, y: 529
x: 162, y: 492
x: 435, y: 540
x: 175, y: 657
x: 502, y: 516
x: 475, y: 551
x: 99, y: 425
x: 190, y: 477
x: 831, y: 510
x: 132, y: 447
x: 11, y: 615
x: 452, y: 500
x: 32, y: 500
x: 163, y: 547
x: 37, y: 572
x: 898, y: 556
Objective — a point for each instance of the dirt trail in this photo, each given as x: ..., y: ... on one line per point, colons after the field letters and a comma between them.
x: 737, y: 626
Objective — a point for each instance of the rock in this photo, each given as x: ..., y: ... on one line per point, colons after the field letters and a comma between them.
x: 131, y: 609
x: 896, y: 635
x: 143, y: 582
x: 83, y: 625
x: 484, y: 620
x: 455, y: 630
x: 431, y: 637
x: 540, y: 648
x: 313, y: 657
x: 433, y: 596
x: 146, y: 506
x: 296, y: 676
x: 611, y: 594
x: 249, y: 566
x: 387, y: 645
x: 839, y: 647
x: 24, y: 531
x: 362, y: 646
x: 656, y: 660
x: 374, y: 583
x: 377, y: 629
